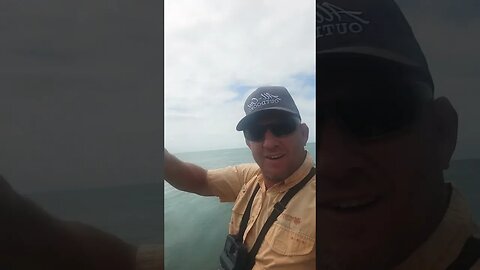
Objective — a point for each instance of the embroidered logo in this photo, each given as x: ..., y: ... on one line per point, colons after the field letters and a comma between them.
x: 332, y: 20
x: 295, y: 220
x: 262, y: 100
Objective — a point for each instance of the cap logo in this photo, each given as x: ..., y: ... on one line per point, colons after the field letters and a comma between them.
x: 332, y: 19
x: 262, y: 100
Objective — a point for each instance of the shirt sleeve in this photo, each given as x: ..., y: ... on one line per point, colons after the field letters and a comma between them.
x: 227, y: 182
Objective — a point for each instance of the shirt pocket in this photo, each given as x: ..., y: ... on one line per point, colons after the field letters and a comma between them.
x: 284, y: 241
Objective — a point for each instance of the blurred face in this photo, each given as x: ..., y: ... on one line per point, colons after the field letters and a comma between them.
x: 379, y: 170
x: 277, y: 143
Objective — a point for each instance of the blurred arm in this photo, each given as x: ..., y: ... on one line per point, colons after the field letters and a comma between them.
x: 30, y: 238
x: 186, y: 176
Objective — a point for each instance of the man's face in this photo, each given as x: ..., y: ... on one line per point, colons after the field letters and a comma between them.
x: 278, y: 152
x: 377, y: 195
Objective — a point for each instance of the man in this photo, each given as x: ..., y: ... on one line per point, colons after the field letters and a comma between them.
x: 276, y: 137
x: 383, y: 143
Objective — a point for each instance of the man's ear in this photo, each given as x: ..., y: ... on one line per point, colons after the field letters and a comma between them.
x: 247, y: 142
x: 304, y: 132
x: 446, y: 127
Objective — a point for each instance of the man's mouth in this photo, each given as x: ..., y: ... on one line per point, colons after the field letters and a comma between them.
x: 351, y: 205
x: 273, y: 157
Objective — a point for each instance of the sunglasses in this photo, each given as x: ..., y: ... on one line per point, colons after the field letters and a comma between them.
x: 373, y: 117
x: 256, y: 133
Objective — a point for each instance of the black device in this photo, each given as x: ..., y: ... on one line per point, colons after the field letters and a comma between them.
x: 234, y: 254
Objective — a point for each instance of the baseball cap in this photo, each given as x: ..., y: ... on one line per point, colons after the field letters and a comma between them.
x: 267, y: 98
x: 371, y: 29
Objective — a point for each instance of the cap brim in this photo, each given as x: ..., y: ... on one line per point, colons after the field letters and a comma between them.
x: 378, y: 53
x: 369, y: 52
x: 243, y: 123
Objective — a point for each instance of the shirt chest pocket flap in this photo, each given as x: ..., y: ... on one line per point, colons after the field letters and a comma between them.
x: 284, y: 241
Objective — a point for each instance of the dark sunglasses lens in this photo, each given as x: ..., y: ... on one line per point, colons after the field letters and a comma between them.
x: 283, y: 128
x: 255, y: 133
x: 375, y: 118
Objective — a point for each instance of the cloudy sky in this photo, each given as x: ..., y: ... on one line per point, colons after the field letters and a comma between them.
x: 217, y: 52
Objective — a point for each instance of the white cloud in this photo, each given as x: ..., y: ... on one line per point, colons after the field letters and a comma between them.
x: 211, y: 47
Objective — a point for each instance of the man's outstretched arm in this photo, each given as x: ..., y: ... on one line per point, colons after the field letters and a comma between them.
x: 185, y: 176
x: 30, y: 238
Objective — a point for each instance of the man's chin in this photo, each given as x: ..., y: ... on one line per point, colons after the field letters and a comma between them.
x: 274, y: 176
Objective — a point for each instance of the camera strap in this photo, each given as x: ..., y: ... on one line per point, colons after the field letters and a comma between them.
x: 246, y: 215
x: 277, y: 210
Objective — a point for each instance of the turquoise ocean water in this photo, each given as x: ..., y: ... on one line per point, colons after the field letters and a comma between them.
x: 194, y: 227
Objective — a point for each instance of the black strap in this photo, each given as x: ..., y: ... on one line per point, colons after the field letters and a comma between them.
x: 277, y: 210
x: 246, y: 215
x: 468, y: 256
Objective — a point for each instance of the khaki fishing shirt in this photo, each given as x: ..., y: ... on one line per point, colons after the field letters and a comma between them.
x: 447, y: 241
x: 290, y: 241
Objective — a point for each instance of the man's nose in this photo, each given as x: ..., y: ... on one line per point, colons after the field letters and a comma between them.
x: 269, y: 140
x: 338, y: 153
